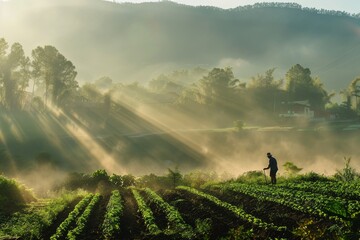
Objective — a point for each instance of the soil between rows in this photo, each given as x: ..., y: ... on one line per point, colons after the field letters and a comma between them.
x: 208, y: 220
x: 196, y: 211
x: 276, y: 213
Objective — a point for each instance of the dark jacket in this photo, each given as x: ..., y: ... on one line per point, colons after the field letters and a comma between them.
x: 272, y: 164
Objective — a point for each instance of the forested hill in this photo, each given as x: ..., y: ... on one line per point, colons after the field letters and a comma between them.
x: 140, y: 41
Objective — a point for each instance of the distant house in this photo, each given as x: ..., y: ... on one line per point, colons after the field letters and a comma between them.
x: 297, y: 109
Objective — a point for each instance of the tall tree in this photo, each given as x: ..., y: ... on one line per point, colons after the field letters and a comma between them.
x: 301, y: 86
x: 266, y: 81
x: 354, y: 92
x: 264, y: 91
x: 14, y: 74
x: 55, y: 73
x: 218, y: 88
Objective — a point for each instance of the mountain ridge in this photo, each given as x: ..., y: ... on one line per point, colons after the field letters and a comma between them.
x: 137, y: 42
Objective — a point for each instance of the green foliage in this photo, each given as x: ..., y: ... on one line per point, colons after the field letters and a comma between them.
x: 81, y: 222
x: 251, y: 176
x: 154, y: 181
x: 348, y: 173
x: 13, y: 195
x: 55, y: 74
x: 309, y: 177
x: 146, y: 213
x: 354, y: 94
x: 31, y: 222
x: 176, y: 223
x: 128, y: 180
x: 308, y: 231
x: 116, y: 180
x: 114, y: 211
x: 100, y: 175
x: 217, y: 88
x: 293, y: 196
x: 97, y: 181
x: 197, y: 179
x: 266, y: 82
x: 203, y: 227
x: 342, y: 111
x: 301, y: 86
x: 14, y: 75
x: 240, y: 233
x: 291, y: 168
x: 235, y: 209
x: 65, y: 226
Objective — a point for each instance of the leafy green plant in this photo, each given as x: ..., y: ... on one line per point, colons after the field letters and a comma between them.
x: 236, y: 210
x: 82, y: 221
x: 146, y: 213
x: 175, y: 222
x: 309, y: 177
x: 203, y: 227
x: 114, y: 211
x: 37, y: 216
x: 333, y: 208
x: 64, y: 227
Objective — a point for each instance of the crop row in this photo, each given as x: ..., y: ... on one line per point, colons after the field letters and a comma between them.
x: 338, y: 205
x: 175, y: 221
x: 114, y: 211
x: 82, y: 221
x: 64, y: 227
x: 236, y: 210
x: 332, y: 188
x: 306, y: 202
x: 146, y: 213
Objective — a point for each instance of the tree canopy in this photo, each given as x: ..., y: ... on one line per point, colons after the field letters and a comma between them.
x: 55, y: 73
x: 301, y: 86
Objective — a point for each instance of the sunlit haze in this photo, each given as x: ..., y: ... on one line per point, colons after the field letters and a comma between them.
x: 143, y: 88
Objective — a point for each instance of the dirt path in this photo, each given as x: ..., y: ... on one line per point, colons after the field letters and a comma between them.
x: 131, y: 224
x: 97, y: 218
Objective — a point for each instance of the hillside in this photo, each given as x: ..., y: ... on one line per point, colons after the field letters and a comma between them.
x: 131, y: 42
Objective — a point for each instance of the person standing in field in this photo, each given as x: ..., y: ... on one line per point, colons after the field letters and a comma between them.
x: 273, y: 168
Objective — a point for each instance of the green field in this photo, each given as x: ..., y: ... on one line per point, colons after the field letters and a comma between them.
x: 121, y: 207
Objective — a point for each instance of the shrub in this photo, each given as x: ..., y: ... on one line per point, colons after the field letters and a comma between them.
x: 348, y: 173
x: 13, y: 195
x: 310, y: 177
x: 252, y: 176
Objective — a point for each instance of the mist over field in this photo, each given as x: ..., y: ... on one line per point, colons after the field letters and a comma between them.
x: 166, y: 121
x: 153, y: 147
x: 137, y: 42
x: 141, y: 88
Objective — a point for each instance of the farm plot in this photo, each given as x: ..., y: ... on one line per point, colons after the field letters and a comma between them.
x: 331, y: 216
x: 219, y: 211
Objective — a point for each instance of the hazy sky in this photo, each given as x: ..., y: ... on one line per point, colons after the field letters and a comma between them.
x: 351, y: 6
